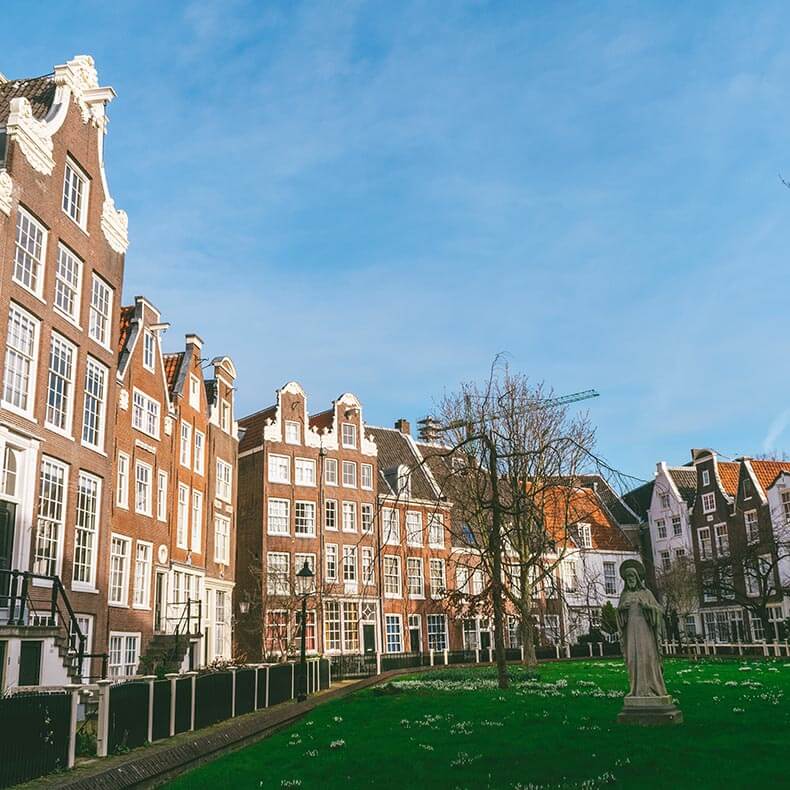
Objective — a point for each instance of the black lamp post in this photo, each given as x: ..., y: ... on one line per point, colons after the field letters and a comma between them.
x: 304, y: 578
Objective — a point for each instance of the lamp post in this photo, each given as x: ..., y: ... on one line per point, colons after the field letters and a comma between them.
x: 304, y: 578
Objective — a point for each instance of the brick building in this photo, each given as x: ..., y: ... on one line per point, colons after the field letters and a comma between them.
x: 307, y: 494
x: 171, y: 569
x: 62, y: 245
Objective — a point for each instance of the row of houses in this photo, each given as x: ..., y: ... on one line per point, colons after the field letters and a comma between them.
x: 143, y: 526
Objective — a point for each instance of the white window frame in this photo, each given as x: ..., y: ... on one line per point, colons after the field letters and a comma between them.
x: 287, y: 515
x: 413, y: 537
x: 185, y: 444
x: 148, y: 497
x: 416, y: 591
x: 37, y: 257
x: 393, y: 619
x: 434, y: 520
x: 221, y: 539
x: 199, y: 458
x: 101, y: 415
x: 701, y: 541
x: 183, y: 510
x: 305, y: 506
x: 86, y: 534
x: 434, y: 643
x: 274, y: 585
x: 331, y: 564
x: 436, y: 589
x: 100, y: 323
x: 367, y: 515
x: 274, y: 464
x: 351, y: 477
x: 330, y: 477
x: 390, y: 525
x: 224, y: 483
x: 368, y: 570
x: 349, y: 524
x: 161, y: 495
x: 705, y: 477
x: 348, y: 434
x: 149, y: 350
x: 75, y: 208
x: 146, y: 413
x: 127, y: 639
x: 198, y: 513
x: 141, y: 595
x: 51, y: 518
x: 293, y: 432
x: 122, y: 481
x: 68, y: 380
x: 366, y: 476
x: 349, y: 564
x: 392, y: 559
x: 752, y: 525
x: 124, y: 571
x: 709, y: 502
x: 29, y: 360
x: 301, y: 467
x: 331, y: 504
x: 70, y: 288
x: 194, y: 391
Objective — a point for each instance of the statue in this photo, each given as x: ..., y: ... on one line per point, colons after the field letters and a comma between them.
x: 640, y: 621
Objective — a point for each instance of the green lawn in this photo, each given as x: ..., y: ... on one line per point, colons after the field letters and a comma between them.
x: 454, y: 729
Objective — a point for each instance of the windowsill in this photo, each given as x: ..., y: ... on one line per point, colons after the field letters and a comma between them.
x: 310, y: 537
x: 28, y: 290
x: 66, y: 317
x: 366, y: 488
x: 393, y: 596
x: 117, y: 605
x: 349, y: 485
x: 328, y: 483
x: 41, y: 582
x: 331, y: 529
x: 27, y: 415
x: 349, y: 531
x: 122, y: 507
x: 84, y: 588
x: 416, y: 597
x: 96, y: 450
x: 145, y: 433
x: 101, y: 345
x: 280, y: 482
x: 304, y: 485
x: 436, y: 545
x: 58, y: 431
x: 141, y: 608
x: 414, y: 545
x: 279, y: 534
x: 141, y: 513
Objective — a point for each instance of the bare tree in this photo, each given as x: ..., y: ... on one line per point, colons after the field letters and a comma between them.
x: 678, y: 592
x: 515, y: 457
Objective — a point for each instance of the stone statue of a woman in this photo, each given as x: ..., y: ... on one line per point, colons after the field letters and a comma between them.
x: 640, y: 621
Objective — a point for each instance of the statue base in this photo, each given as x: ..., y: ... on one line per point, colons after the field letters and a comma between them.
x: 649, y: 711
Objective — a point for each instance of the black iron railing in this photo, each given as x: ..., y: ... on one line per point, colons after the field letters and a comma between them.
x: 46, y: 605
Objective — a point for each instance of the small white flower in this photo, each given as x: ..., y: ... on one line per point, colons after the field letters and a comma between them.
x: 339, y: 744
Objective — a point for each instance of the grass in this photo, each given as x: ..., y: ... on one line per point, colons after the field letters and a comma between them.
x: 454, y: 729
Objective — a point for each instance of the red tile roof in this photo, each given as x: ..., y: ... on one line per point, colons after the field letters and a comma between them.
x: 323, y: 419
x: 39, y: 91
x: 172, y: 366
x: 728, y: 473
x: 253, y: 426
x: 766, y: 472
x: 127, y: 314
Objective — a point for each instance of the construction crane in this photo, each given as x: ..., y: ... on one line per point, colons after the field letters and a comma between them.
x: 430, y: 428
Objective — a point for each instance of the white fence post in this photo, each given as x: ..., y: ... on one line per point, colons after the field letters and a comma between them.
x: 103, y: 721
x: 255, y: 690
x: 589, y: 645
x: 600, y: 649
x: 378, y: 662
x: 431, y: 656
x: 490, y: 654
x: 193, y: 677
x: 765, y: 648
x: 328, y: 673
x: 267, y: 687
x: 477, y: 655
x: 75, y: 698
x: 172, y: 677
x: 567, y: 651
x: 233, y: 692
x: 293, y: 679
x: 149, y: 679
x: 557, y: 650
x: 446, y: 662
x: 522, y: 652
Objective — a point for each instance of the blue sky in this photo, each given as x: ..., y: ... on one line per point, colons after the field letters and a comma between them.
x: 379, y: 197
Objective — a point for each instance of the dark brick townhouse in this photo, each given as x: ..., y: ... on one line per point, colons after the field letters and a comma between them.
x: 171, y: 568
x: 62, y: 245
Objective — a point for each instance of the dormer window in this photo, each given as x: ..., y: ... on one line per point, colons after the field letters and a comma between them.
x: 75, y: 193
x: 148, y: 350
x: 583, y: 536
x: 349, y: 434
x: 399, y: 479
x: 291, y: 432
x: 194, y: 391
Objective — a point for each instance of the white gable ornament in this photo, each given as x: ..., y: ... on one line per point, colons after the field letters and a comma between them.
x: 32, y: 136
x: 6, y: 192
x: 115, y: 226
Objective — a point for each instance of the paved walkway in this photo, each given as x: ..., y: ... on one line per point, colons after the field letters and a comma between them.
x: 150, y: 766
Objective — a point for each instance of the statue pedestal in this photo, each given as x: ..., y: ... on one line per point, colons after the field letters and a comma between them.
x: 649, y: 711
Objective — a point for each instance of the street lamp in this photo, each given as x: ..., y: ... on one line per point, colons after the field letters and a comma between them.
x: 244, y: 607
x: 304, y: 578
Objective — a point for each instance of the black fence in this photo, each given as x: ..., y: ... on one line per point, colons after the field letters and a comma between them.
x: 245, y: 691
x: 162, y: 701
x: 35, y: 736
x: 462, y: 657
x: 183, y: 705
x: 213, y: 698
x: 281, y: 683
x: 611, y: 648
x: 352, y: 666
x: 128, y: 723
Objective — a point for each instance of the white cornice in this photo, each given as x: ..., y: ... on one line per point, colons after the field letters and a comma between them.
x: 80, y: 77
x: 6, y: 192
x: 33, y: 137
x: 115, y: 226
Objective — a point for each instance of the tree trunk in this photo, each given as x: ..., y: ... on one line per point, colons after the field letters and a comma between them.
x: 528, y: 636
x: 497, y: 593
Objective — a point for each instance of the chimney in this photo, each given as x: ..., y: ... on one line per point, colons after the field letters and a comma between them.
x: 403, y: 426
